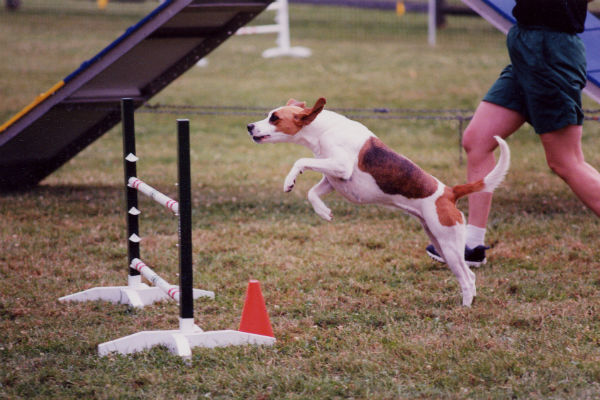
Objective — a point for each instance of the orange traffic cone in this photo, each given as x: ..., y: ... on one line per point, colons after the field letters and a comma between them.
x: 255, y: 318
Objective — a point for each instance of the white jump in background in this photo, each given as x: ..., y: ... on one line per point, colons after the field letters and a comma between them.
x: 364, y: 170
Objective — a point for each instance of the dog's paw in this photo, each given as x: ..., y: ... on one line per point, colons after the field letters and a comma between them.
x: 324, y: 213
x: 290, y: 181
x: 288, y: 186
x: 467, y: 298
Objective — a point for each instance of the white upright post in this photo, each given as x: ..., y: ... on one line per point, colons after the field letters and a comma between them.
x: 431, y: 30
x: 282, y: 19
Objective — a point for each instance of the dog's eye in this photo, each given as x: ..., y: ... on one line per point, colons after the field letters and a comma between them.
x: 274, y: 118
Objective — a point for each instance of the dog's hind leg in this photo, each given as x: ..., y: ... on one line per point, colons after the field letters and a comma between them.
x: 454, y: 257
x: 449, y: 242
x: 432, y: 237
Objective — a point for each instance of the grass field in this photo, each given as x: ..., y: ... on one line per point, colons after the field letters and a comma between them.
x: 358, y: 309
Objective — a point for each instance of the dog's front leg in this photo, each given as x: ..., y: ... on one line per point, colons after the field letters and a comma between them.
x: 326, y: 166
x: 314, y: 196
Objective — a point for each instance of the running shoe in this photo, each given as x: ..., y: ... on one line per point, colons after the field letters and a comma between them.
x: 473, y: 256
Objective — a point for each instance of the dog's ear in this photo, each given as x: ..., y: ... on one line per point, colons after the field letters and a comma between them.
x: 294, y: 102
x: 309, y: 114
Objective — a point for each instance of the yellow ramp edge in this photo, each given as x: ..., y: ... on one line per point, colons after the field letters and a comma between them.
x: 32, y: 105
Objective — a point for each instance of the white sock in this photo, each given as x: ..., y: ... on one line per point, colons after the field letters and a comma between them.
x: 475, y: 236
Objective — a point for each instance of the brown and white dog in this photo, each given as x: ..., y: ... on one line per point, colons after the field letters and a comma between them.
x: 364, y: 170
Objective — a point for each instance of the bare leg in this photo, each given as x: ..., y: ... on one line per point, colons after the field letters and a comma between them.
x: 488, y: 121
x: 565, y: 157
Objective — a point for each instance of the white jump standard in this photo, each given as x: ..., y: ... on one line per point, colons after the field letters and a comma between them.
x: 282, y: 29
x: 136, y: 293
x: 189, y: 335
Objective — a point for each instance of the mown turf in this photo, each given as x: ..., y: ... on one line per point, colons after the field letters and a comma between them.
x: 358, y: 310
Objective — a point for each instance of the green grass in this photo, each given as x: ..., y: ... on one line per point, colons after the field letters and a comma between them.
x: 358, y: 310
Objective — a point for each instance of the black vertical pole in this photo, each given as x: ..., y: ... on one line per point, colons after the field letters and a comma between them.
x: 440, y: 13
x: 133, y: 247
x: 186, y: 299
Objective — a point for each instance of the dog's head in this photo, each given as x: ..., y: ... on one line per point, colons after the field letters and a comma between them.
x: 283, y: 123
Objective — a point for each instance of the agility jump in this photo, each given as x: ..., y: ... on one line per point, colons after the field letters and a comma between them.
x: 136, y: 293
x: 188, y: 335
x: 282, y: 28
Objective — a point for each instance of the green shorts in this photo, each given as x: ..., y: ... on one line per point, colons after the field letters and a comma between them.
x: 545, y: 78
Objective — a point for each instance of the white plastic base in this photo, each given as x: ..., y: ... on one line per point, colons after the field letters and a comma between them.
x: 136, y: 295
x: 300, y: 52
x: 180, y: 342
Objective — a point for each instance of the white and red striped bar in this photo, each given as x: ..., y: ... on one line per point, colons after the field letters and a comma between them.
x: 154, y: 194
x: 171, y: 290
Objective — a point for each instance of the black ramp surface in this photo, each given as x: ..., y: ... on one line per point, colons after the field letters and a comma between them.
x: 139, y: 64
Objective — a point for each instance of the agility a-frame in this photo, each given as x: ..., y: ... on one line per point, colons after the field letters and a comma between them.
x: 140, y: 63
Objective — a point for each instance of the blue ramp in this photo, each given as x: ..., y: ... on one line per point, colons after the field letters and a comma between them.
x: 139, y: 64
x: 499, y: 14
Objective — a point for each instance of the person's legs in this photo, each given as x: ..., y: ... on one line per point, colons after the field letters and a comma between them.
x: 488, y: 121
x: 565, y: 157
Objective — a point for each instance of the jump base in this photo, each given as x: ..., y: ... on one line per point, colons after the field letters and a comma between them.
x: 180, y: 342
x: 136, y: 296
x: 296, y: 52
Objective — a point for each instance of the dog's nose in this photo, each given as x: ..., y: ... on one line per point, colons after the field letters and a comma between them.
x: 250, y: 128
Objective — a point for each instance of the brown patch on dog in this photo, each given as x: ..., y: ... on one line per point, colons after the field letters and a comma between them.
x: 468, y: 188
x: 294, y: 102
x: 295, y: 116
x: 285, y: 119
x: 311, y: 113
x: 447, y: 212
x: 393, y: 173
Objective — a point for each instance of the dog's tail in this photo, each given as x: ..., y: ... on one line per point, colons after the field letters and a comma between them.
x: 491, y: 180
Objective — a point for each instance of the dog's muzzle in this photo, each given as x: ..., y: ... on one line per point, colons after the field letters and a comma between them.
x: 257, y: 139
